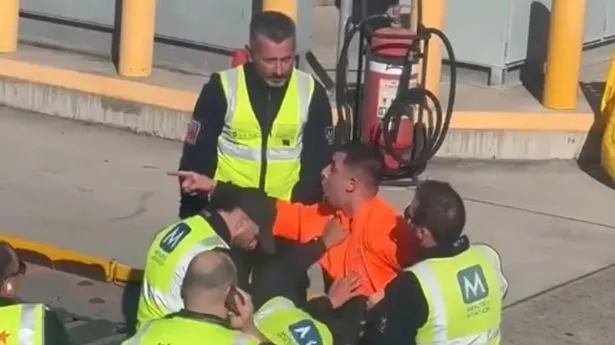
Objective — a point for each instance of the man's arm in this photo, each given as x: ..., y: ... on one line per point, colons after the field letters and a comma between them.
x: 399, y: 315
x: 285, y: 275
x: 200, y: 153
x: 317, y: 147
x: 55, y: 332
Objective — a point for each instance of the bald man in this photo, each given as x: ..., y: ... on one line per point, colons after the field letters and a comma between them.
x: 214, y: 307
x: 16, y: 316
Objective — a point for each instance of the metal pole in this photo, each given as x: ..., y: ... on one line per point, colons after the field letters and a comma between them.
x: 9, y: 25
x: 565, y: 50
x: 433, y: 17
x: 137, y: 38
x: 288, y: 7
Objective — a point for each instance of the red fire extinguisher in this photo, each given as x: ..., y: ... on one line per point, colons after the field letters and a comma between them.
x: 389, y: 54
x: 240, y: 57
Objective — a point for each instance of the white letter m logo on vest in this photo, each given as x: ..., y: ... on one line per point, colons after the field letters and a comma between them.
x: 473, y: 284
x: 171, y: 240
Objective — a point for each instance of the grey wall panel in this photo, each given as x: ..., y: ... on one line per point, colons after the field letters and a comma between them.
x: 595, y: 17
x: 477, y: 30
x: 609, y: 22
x: 529, y: 27
x: 212, y: 22
x: 100, y: 12
x: 304, y: 25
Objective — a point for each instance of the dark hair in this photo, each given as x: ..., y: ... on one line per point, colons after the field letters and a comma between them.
x: 440, y: 209
x: 7, y: 257
x: 273, y: 25
x: 226, y: 197
x: 365, y: 159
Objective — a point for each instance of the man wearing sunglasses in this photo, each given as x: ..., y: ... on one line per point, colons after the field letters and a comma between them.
x: 454, y: 295
x: 24, y: 323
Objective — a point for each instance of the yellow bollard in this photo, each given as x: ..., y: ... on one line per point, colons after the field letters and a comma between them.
x: 433, y: 17
x: 288, y: 7
x: 565, y: 50
x: 9, y: 25
x: 137, y: 38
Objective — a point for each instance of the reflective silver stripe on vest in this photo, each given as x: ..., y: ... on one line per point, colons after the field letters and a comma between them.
x: 303, y: 85
x: 280, y: 154
x: 440, y: 314
x: 231, y: 92
x: 140, y: 335
x: 27, y: 327
x: 242, y: 339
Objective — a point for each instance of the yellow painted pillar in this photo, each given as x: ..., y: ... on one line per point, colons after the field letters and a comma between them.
x: 288, y: 7
x: 433, y: 17
x: 9, y: 25
x: 565, y: 50
x: 137, y: 38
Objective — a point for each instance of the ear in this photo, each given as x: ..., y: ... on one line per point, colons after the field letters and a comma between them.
x: 250, y: 53
x: 8, y: 289
x: 423, y: 234
x: 351, y: 186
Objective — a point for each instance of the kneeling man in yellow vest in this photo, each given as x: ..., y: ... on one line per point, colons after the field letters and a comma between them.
x: 216, y: 309
x: 229, y: 223
x: 209, y: 293
x: 280, y: 322
x: 454, y: 296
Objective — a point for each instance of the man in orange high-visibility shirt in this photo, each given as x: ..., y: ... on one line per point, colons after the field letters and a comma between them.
x: 378, y: 244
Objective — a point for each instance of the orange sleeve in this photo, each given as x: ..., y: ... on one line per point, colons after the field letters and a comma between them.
x: 286, y: 224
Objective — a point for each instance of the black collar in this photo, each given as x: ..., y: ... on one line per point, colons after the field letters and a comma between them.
x: 218, y: 224
x: 193, y: 315
x: 5, y: 301
x: 458, y: 247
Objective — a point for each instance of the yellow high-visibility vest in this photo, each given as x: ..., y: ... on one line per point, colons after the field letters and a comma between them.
x: 167, y: 261
x: 281, y: 322
x: 22, y: 324
x: 607, y: 154
x: 464, y: 296
x: 185, y: 331
x: 244, y: 155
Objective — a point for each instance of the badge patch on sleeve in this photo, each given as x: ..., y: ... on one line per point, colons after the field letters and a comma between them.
x: 330, y: 134
x: 192, y: 133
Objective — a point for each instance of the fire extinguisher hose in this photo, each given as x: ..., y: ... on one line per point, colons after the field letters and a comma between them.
x: 437, y: 123
x: 346, y: 126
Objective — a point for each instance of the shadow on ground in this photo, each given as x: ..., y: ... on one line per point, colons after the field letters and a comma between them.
x: 589, y: 158
x: 130, y: 303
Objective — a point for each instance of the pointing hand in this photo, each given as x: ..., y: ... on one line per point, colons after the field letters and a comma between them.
x: 193, y: 183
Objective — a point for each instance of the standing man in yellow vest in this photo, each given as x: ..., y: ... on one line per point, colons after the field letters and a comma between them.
x: 213, y: 310
x: 228, y: 222
x: 24, y: 323
x: 265, y: 124
x: 454, y: 296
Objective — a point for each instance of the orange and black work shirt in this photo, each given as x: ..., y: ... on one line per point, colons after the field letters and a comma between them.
x: 379, y: 244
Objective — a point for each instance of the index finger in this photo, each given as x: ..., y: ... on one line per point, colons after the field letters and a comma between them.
x: 179, y: 173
